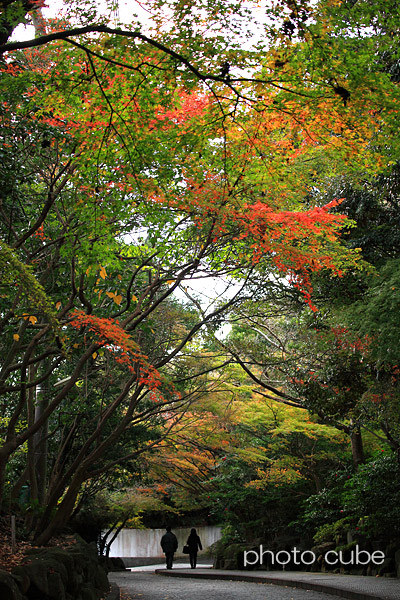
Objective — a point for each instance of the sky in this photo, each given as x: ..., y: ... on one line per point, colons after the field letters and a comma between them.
x: 126, y: 11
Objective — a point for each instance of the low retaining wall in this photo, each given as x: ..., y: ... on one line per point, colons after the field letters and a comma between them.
x: 57, y: 574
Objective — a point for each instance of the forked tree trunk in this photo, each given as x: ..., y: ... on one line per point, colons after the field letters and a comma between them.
x: 63, y: 511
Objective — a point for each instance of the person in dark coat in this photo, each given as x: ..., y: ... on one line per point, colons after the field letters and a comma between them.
x: 169, y: 544
x: 194, y: 544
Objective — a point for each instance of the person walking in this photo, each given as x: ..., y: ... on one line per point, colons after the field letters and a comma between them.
x: 194, y: 544
x: 169, y: 544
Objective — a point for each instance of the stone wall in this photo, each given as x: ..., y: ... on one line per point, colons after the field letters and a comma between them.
x: 57, y: 574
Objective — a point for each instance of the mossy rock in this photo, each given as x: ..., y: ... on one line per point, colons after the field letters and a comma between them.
x: 21, y: 577
x: 100, y: 580
x: 87, y: 593
x: 56, y: 586
x: 230, y: 564
x: 233, y: 550
x: 38, y: 571
x: 112, y: 563
x: 233, y: 556
x: 9, y: 589
x: 323, y: 548
x: 63, y: 557
x: 60, y: 574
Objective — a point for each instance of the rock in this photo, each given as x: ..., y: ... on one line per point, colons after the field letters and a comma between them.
x: 62, y: 557
x: 21, y: 577
x: 87, y: 593
x: 37, y: 569
x: 378, y: 545
x: 387, y: 566
x: 57, y: 574
x: 319, y: 553
x: 397, y: 562
x: 9, y: 589
x: 100, y: 580
x: 75, y: 582
x: 112, y: 563
x: 218, y: 562
x: 230, y: 563
x: 56, y: 586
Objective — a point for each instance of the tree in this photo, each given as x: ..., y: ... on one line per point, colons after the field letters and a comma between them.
x: 234, y: 455
x: 343, y: 359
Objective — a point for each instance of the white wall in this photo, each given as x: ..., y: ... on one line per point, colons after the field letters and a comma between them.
x: 146, y: 542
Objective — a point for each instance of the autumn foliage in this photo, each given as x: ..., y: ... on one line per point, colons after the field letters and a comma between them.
x: 109, y: 334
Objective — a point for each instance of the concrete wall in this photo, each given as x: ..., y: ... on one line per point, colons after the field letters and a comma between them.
x: 146, y: 542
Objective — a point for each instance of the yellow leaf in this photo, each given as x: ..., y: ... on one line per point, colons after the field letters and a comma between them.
x: 94, y: 355
x: 117, y: 299
x: 170, y: 281
x: 58, y: 305
x: 134, y: 298
x: 103, y: 273
x: 16, y: 337
x: 75, y: 345
x: 119, y: 277
x: 110, y: 294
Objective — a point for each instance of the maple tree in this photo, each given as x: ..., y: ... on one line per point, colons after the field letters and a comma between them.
x: 235, y: 454
x: 341, y: 363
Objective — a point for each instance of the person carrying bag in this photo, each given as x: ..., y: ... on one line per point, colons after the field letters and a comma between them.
x: 192, y: 546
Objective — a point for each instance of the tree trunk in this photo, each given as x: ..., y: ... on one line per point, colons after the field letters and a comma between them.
x: 357, y: 448
x: 40, y: 444
x: 30, y: 441
x: 63, y: 511
x: 3, y: 464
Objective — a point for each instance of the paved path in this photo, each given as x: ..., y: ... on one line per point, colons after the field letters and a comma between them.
x: 146, y: 585
x: 188, y: 584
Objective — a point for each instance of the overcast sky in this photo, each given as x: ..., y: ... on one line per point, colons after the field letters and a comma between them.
x: 126, y: 11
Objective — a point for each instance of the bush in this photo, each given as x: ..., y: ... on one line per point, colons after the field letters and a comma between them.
x: 333, y: 532
x: 373, y: 494
x: 366, y: 500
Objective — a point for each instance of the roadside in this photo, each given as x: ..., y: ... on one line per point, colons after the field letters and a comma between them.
x: 354, y: 587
